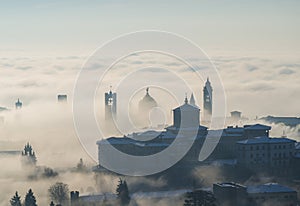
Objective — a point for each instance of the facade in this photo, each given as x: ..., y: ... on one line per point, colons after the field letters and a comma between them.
x: 272, y: 194
x: 18, y: 104
x: 226, y: 148
x: 110, y: 105
x: 92, y: 200
x: 230, y: 194
x: 207, y: 100
x: 266, y: 152
x: 233, y: 194
x: 186, y: 115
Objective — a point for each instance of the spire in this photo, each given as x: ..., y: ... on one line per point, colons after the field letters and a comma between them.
x: 147, y: 91
x: 186, y: 99
x: 110, y: 89
x: 192, y: 100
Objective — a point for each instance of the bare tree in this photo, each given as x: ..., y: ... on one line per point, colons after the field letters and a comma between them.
x: 59, y: 192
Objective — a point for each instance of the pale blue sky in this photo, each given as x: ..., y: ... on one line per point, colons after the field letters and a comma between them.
x: 78, y: 27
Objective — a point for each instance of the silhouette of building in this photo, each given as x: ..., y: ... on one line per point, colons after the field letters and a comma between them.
x: 146, y: 104
x: 272, y: 194
x: 266, y: 194
x: 185, y: 116
x: 207, y: 99
x: 236, y: 115
x: 62, y: 98
x: 226, y: 148
x: 185, y: 119
x: 264, y: 153
x: 19, y: 104
x: 93, y: 199
x: 110, y: 105
x: 3, y: 109
x: 28, y: 156
x: 192, y: 100
x: 230, y: 194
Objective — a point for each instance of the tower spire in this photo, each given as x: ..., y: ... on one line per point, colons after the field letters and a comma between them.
x: 192, y: 100
x: 186, y: 99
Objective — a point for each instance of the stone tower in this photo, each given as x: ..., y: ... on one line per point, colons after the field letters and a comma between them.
x: 207, y: 99
x: 110, y: 105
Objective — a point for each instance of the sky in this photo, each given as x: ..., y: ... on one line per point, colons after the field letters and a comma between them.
x: 254, y: 44
x: 44, y: 45
x: 219, y: 27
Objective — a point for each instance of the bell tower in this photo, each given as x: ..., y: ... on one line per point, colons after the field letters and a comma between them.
x: 207, y: 99
x: 110, y: 105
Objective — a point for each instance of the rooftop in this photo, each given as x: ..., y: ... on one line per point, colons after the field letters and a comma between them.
x: 269, y: 188
x: 257, y: 127
x: 187, y: 107
x: 230, y: 184
x: 266, y: 140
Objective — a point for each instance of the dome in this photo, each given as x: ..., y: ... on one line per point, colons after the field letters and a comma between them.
x: 147, y: 102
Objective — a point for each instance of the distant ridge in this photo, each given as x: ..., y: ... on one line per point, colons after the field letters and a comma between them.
x: 288, y: 121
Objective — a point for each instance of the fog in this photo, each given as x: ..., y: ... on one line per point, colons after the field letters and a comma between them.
x: 255, y: 86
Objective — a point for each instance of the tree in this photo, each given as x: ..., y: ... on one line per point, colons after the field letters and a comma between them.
x: 15, y: 200
x: 59, y: 192
x: 48, y: 172
x: 51, y: 203
x: 30, y: 199
x: 199, y: 198
x: 123, y: 192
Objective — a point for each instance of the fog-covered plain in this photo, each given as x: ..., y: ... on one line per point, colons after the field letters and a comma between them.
x: 256, y: 86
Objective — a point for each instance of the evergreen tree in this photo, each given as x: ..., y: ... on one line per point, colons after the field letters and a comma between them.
x: 51, y: 204
x: 199, y: 198
x: 15, y: 200
x: 30, y: 199
x: 123, y: 192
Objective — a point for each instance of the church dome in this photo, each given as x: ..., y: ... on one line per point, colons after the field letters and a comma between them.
x: 147, y: 102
